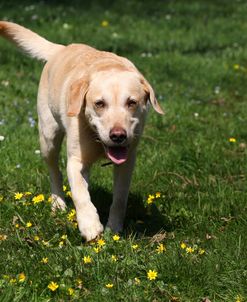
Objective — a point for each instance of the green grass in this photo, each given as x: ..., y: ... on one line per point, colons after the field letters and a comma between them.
x: 195, y: 55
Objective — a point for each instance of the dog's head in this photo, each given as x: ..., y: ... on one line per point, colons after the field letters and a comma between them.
x: 115, y: 103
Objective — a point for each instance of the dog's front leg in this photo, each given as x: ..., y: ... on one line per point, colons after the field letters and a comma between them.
x: 122, y: 179
x: 87, y: 216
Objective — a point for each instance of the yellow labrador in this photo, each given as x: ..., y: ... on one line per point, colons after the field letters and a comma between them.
x: 99, y: 100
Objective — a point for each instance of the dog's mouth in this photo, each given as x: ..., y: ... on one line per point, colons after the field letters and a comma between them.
x: 117, y: 154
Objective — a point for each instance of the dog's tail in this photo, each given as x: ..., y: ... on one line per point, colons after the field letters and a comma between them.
x: 28, y: 41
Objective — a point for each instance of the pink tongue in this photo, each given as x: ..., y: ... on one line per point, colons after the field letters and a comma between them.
x: 118, y: 155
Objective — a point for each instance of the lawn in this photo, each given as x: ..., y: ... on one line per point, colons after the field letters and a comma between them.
x: 185, y: 233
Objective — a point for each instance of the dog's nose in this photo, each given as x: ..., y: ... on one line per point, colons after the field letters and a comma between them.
x: 118, y: 135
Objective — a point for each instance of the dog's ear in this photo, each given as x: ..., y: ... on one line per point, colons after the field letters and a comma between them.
x: 151, y: 96
x: 77, y: 94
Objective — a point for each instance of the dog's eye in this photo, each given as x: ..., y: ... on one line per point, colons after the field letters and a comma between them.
x: 131, y: 103
x: 100, y: 104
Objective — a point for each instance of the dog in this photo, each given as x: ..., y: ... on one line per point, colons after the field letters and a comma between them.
x: 99, y: 101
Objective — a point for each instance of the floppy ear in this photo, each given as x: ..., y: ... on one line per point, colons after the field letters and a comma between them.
x: 77, y: 95
x: 151, y: 96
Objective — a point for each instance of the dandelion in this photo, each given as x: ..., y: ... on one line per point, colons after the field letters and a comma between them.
x: 27, y: 193
x: 109, y: 285
x: 116, y: 238
x: 29, y: 224
x: 135, y: 246
x: 64, y: 237
x: 53, y: 286
x: 152, y: 274
x: 39, y: 198
x: 104, y: 23
x: 18, y: 196
x: 44, y: 260
x: 183, y: 245
x: 114, y: 258
x: 17, y: 225
x: 160, y: 248
x: 87, y: 259
x: 150, y: 199
x: 36, y: 238
x: 232, y: 140
x: 71, y: 291
x: 101, y: 242
x: 21, y: 277
x: 71, y: 215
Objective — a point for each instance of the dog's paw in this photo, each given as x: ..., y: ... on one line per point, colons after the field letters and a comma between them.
x: 57, y: 203
x: 89, y: 224
x: 114, y: 226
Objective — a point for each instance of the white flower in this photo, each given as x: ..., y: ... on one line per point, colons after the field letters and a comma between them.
x: 1, y: 138
x: 37, y: 151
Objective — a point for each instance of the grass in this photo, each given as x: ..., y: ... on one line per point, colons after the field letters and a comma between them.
x: 195, y: 55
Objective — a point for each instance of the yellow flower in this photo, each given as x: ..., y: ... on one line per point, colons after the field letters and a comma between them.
x: 12, y: 281
x: 64, y: 237
x: 29, y: 224
x: 157, y: 195
x: 75, y: 225
x: 3, y: 237
x: 18, y: 196
x: 44, y: 260
x: 38, y: 198
x: 201, y: 251
x: 190, y: 250
x: 87, y: 259
x: 232, y: 140
x: 150, y: 199
x: 17, y: 225
x: 135, y: 246
x: 101, y: 242
x: 1, y: 198
x: 116, y: 238
x: 109, y: 285
x: 239, y: 299
x: 36, y: 238
x: 61, y: 244
x: 64, y: 188
x: 183, y: 245
x: 53, y: 286
x: 137, y: 281
x: 45, y: 243
x: 49, y: 199
x: 160, y: 248
x: 114, y: 258
x: 96, y: 249
x: 71, y: 291
x: 69, y: 194
x: 236, y: 66
x: 21, y: 277
x: 28, y: 193
x: 104, y: 23
x: 71, y: 215
x: 152, y: 275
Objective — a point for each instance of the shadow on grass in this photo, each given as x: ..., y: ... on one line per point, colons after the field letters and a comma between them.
x: 139, y: 220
